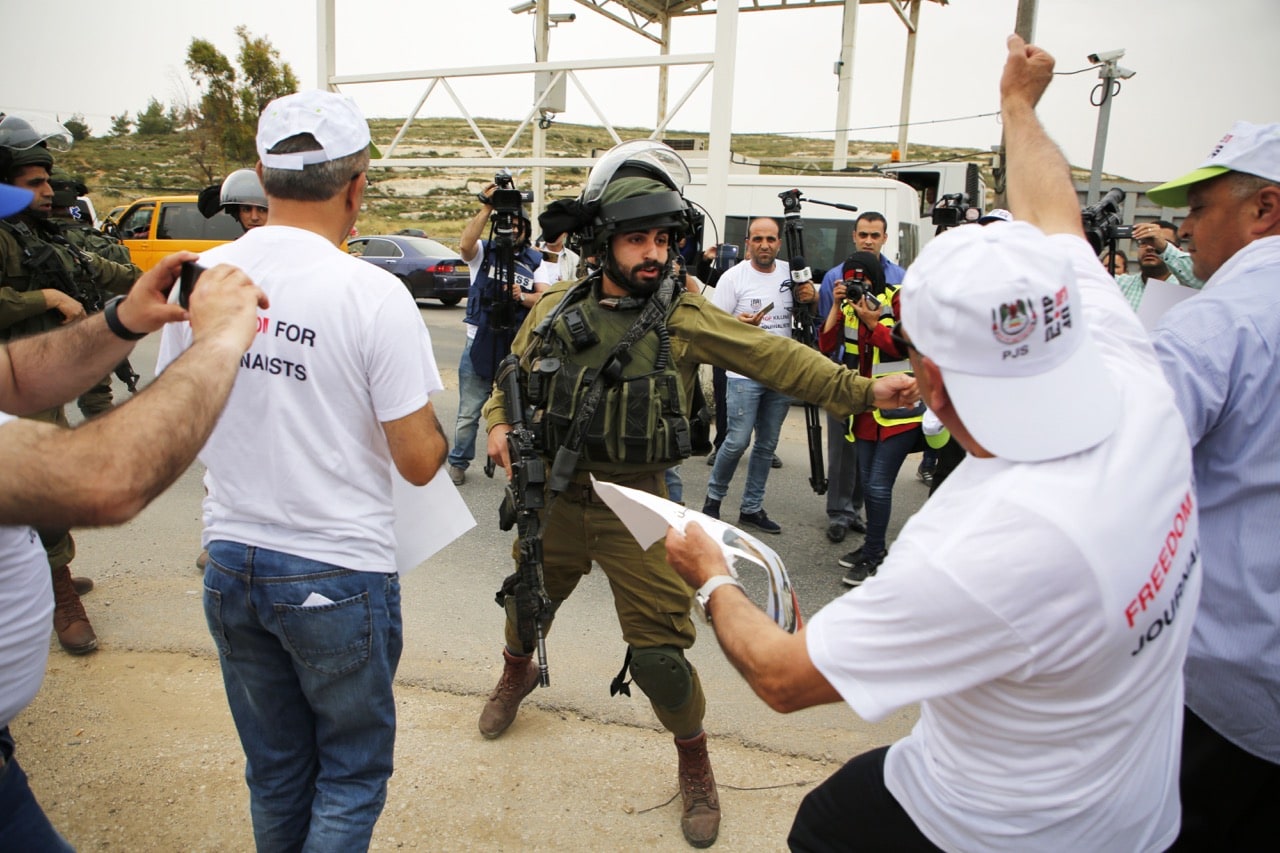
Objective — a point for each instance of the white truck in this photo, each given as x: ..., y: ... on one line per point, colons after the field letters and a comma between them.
x: 827, y: 231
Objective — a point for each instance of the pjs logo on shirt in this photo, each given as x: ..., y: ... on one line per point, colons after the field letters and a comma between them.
x: 1013, y: 322
x: 1057, y: 314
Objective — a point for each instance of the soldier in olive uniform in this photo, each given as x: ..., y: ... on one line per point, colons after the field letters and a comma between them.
x: 634, y: 212
x: 44, y: 283
x: 74, y: 224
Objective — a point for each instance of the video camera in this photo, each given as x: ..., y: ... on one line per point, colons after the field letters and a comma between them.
x: 506, y: 198
x: 954, y: 209
x: 1101, y: 221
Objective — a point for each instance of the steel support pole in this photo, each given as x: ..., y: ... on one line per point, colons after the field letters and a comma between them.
x: 721, y: 135
x: 844, y: 84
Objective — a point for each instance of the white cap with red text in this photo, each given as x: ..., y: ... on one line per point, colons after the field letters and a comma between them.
x: 999, y: 311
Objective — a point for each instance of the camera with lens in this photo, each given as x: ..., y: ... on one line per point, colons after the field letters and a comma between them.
x: 953, y: 209
x: 1101, y: 221
x: 857, y: 290
x: 506, y: 198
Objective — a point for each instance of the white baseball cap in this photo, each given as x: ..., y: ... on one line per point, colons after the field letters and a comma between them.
x: 996, y: 214
x: 998, y: 310
x: 1250, y: 148
x: 334, y: 120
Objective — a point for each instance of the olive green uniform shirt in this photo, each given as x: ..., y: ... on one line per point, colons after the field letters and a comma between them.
x: 701, y: 333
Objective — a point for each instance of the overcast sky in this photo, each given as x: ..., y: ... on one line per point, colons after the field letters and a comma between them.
x: 1200, y: 65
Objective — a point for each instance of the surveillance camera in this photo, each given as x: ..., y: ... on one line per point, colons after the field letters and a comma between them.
x: 521, y: 8
x: 562, y: 18
x: 1106, y: 56
x: 1124, y: 73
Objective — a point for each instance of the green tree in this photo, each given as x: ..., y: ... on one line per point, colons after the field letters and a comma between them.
x: 154, y: 121
x: 121, y: 125
x: 231, y: 101
x: 76, y: 125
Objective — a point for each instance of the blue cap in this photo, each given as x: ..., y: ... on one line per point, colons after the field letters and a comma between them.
x: 13, y: 199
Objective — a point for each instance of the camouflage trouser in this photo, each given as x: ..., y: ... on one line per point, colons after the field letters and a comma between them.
x: 651, y: 600
x: 58, y: 544
x: 97, y: 399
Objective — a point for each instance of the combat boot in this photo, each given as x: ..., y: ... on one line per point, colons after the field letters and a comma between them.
x: 519, y: 677
x: 69, y: 619
x: 700, y: 822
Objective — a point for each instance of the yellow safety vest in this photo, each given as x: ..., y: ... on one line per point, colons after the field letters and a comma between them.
x: 887, y: 418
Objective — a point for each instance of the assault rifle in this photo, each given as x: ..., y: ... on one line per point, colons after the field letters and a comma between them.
x: 525, y: 497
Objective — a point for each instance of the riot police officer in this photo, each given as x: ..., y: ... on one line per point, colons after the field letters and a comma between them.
x: 631, y: 217
x: 45, y: 282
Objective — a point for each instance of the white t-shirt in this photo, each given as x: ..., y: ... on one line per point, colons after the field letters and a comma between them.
x: 298, y: 461
x: 564, y: 266
x: 26, y: 612
x: 745, y: 290
x: 1040, y: 614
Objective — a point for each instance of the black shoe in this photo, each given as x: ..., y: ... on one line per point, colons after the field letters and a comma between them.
x: 857, y: 575
x: 836, y: 531
x: 849, y: 560
x: 858, y: 525
x: 760, y: 521
x: 925, y: 474
x: 775, y: 462
x: 711, y: 508
x: 864, y: 567
x: 711, y: 457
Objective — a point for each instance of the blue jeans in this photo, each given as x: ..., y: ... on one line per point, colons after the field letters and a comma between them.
x: 309, y: 690
x: 23, y: 824
x: 750, y: 407
x: 878, y: 464
x: 473, y: 391
x: 675, y: 486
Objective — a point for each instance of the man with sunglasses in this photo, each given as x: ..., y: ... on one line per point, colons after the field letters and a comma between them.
x: 1039, y: 605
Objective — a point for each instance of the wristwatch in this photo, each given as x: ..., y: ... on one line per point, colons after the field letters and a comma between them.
x: 703, y: 595
x: 120, y: 330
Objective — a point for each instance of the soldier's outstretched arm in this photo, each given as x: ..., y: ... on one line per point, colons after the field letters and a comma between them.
x: 60, y: 478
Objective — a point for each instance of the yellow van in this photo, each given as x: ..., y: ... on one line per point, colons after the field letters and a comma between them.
x: 153, y: 228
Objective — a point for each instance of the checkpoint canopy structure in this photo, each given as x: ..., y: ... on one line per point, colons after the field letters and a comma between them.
x: 653, y: 20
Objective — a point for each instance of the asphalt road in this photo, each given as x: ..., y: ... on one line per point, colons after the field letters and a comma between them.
x: 149, y: 592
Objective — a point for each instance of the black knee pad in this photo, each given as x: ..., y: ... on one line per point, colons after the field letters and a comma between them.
x: 664, y: 675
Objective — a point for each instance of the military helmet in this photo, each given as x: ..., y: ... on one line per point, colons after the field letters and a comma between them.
x: 637, y: 185
x: 242, y: 187
x: 28, y: 141
x: 67, y: 190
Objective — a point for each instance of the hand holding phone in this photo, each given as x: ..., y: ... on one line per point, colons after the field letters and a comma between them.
x: 191, y: 272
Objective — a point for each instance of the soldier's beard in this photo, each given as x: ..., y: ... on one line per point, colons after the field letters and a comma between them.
x: 630, y: 281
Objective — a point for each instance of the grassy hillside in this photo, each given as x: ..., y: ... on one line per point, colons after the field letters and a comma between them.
x: 439, y: 201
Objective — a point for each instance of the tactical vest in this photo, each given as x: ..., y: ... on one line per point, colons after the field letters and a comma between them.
x: 89, y: 239
x: 879, y: 368
x: 40, y: 263
x: 640, y: 419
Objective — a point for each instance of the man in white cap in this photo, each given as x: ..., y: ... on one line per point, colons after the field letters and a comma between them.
x: 1218, y: 350
x: 301, y: 591
x: 1038, y: 607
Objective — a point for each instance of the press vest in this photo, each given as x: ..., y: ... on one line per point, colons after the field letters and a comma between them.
x: 879, y: 368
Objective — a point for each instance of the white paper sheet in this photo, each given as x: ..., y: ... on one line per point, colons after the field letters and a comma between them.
x: 648, y: 516
x: 1159, y: 297
x: 427, y: 517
